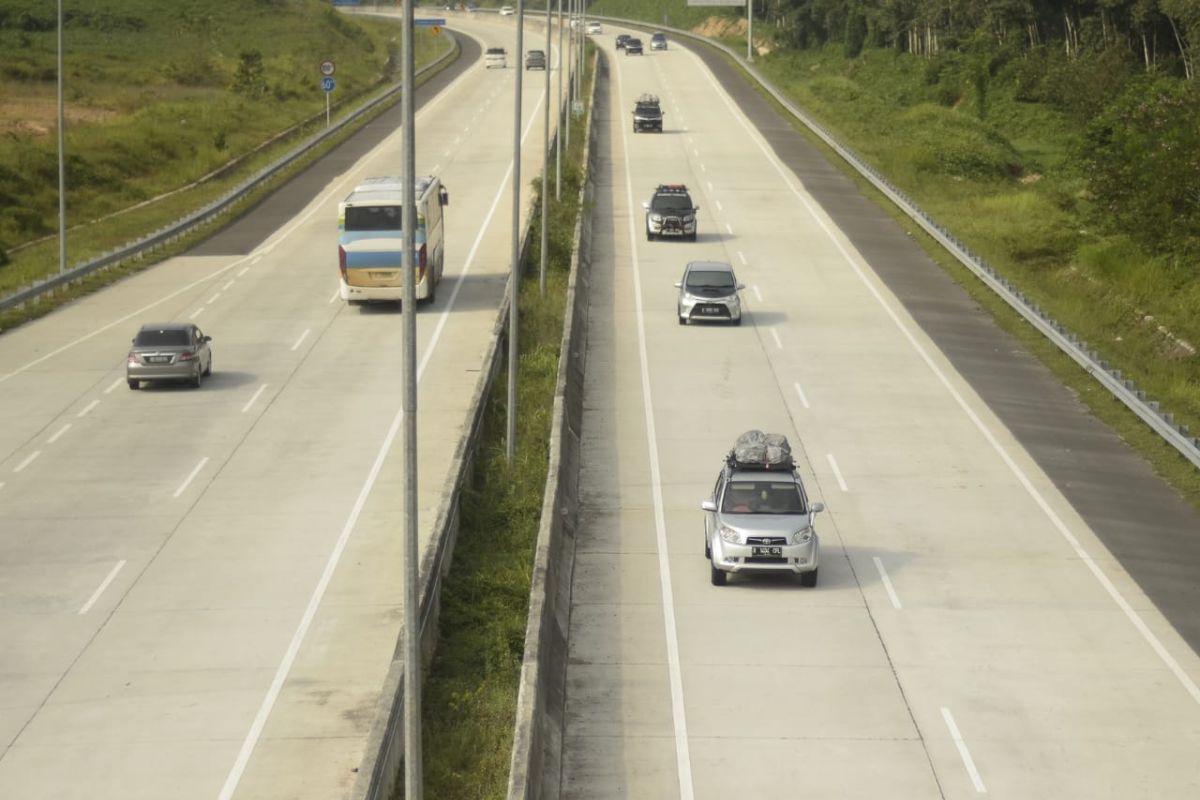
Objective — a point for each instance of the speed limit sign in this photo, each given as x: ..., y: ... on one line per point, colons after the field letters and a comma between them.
x: 327, y: 68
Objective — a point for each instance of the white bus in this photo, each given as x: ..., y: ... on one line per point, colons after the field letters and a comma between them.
x: 370, y: 240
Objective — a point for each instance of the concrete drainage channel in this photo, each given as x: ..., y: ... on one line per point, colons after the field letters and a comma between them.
x: 539, y: 713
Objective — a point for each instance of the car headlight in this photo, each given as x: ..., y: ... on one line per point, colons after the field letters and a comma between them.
x: 729, y: 535
x: 656, y: 217
x: 689, y: 218
x: 802, y: 536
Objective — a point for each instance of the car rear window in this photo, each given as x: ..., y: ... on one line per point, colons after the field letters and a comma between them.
x: 172, y: 338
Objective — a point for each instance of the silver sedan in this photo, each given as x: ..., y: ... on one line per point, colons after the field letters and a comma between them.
x: 709, y: 291
x: 169, y: 351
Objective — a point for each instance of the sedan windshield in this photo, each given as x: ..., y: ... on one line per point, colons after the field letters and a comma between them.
x: 710, y: 279
x: 762, y: 497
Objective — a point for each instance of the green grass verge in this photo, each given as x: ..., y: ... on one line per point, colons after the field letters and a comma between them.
x: 470, y: 695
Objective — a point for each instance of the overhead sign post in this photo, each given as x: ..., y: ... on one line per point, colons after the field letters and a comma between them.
x: 327, y: 83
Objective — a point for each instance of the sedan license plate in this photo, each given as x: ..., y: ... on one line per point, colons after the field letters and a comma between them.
x: 766, y: 551
x: 158, y: 359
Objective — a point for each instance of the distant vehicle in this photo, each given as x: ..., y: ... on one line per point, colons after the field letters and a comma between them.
x: 507, y: 11
x: 647, y: 114
x: 495, y: 57
x: 633, y: 47
x: 709, y: 291
x: 759, y: 518
x: 670, y: 212
x: 658, y: 41
x: 371, y: 240
x: 535, y: 59
x: 622, y: 38
x: 594, y: 28
x: 168, y: 351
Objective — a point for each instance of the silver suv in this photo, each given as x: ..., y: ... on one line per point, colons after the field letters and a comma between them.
x: 759, y: 519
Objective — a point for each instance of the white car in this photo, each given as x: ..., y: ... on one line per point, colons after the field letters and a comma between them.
x: 594, y: 28
x: 495, y: 57
x: 506, y: 11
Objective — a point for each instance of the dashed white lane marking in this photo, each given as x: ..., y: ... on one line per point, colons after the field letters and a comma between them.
x: 719, y: 206
x: 242, y: 271
x: 336, y: 294
x: 256, y: 395
x: 729, y: 228
x: 58, y: 433
x: 256, y: 259
x: 90, y: 406
x: 709, y: 185
x: 887, y: 583
x: 837, y: 473
x: 191, y: 476
x: 227, y: 285
x: 702, y: 167
x: 112, y: 573
x: 198, y: 311
x: 213, y: 299
x: 28, y: 460
x: 775, y: 336
x: 696, y: 152
x: 300, y: 341
x: 757, y: 293
x: 436, y: 168
x: 741, y: 257
x: 800, y: 393
x: 1, y: 484
x: 114, y: 385
x: 963, y: 752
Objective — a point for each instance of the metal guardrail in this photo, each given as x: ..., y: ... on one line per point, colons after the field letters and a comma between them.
x: 137, y: 249
x: 1163, y: 423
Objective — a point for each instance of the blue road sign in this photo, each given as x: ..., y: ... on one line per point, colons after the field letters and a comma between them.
x: 428, y: 22
x: 327, y: 83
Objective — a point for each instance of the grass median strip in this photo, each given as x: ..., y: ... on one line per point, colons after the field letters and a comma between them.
x: 470, y: 694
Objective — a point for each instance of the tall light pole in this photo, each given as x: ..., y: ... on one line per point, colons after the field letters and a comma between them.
x: 545, y: 159
x: 62, y: 153
x: 413, y: 782
x: 749, y: 30
x: 514, y: 282
x: 558, y: 139
x: 569, y: 65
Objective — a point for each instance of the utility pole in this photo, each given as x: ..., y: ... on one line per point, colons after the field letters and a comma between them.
x: 62, y: 153
x: 558, y: 139
x: 545, y: 161
x: 514, y: 281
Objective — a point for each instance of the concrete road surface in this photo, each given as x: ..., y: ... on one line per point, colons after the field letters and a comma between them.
x: 201, y: 591
x: 971, y: 634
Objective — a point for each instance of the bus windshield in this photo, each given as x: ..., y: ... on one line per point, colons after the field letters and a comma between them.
x: 373, y: 218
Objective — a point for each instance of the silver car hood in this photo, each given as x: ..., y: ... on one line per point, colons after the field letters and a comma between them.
x: 765, y: 523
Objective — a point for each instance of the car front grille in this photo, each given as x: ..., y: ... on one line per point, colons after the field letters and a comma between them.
x: 775, y: 540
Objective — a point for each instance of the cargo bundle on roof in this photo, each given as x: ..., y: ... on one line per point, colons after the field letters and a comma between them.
x: 757, y: 450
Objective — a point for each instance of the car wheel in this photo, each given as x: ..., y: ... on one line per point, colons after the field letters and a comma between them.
x: 707, y: 549
x: 649, y: 236
x: 208, y: 370
x: 737, y: 321
x: 692, y: 238
x: 196, y: 380
x: 682, y: 320
x: 718, y: 577
x: 809, y: 579
x: 134, y: 384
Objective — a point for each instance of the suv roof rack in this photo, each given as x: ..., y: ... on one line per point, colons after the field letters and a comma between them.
x: 672, y: 187
x: 768, y: 452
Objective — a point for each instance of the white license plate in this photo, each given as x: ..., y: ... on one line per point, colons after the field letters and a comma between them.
x: 766, y: 551
x: 159, y: 360
x: 710, y: 310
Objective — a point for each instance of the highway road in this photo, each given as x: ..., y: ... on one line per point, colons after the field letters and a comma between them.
x: 201, y: 591
x: 972, y: 632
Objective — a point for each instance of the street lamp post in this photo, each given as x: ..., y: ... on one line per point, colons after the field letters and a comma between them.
x: 558, y: 139
x: 545, y: 159
x: 514, y: 282
x: 62, y: 153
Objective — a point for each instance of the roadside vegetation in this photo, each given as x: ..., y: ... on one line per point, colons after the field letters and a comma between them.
x: 1064, y: 156
x: 168, y: 106
x: 470, y: 695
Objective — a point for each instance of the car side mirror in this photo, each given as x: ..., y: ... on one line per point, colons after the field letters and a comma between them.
x: 678, y: 284
x: 646, y: 206
x: 207, y: 338
x: 694, y: 210
x: 444, y: 197
x: 741, y: 286
x: 708, y: 505
x: 817, y: 508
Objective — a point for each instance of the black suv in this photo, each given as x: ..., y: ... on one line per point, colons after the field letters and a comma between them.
x: 633, y: 47
x: 670, y: 213
x: 647, y: 114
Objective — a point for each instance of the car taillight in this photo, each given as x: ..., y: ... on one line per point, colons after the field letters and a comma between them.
x: 342, y: 261
x: 186, y: 356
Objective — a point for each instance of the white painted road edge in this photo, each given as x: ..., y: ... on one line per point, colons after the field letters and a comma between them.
x: 1138, y: 623
x: 683, y: 757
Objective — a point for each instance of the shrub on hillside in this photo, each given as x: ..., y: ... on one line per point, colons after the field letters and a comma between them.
x: 1142, y: 160
x: 951, y: 143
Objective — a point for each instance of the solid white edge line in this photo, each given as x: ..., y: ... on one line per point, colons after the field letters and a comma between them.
x: 775, y: 336
x: 58, y: 433
x: 28, y: 460
x: 114, y: 385
x: 963, y: 752
x: 887, y: 583
x: 83, y: 412
x: 1134, y: 618
x: 300, y: 341
x: 195, y: 471
x: 289, y: 658
x: 112, y: 573
x: 254, y: 397
x: 837, y: 473
x: 683, y: 757
x: 800, y: 392
x: 757, y: 294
